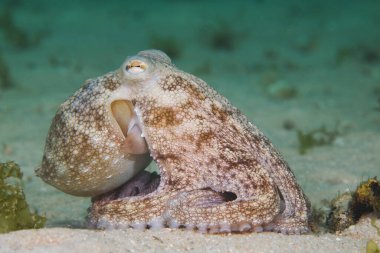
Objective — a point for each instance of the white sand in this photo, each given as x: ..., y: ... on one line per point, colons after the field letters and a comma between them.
x: 353, y: 239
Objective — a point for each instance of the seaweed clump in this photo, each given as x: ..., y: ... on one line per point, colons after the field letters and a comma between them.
x: 5, y: 77
x: 376, y: 92
x: 366, y: 198
x: 347, y: 208
x: 16, y: 36
x: 372, y: 247
x: 14, y: 210
x: 359, y: 53
x: 317, y: 137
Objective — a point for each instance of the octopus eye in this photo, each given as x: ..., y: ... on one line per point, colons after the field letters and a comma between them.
x: 136, y: 66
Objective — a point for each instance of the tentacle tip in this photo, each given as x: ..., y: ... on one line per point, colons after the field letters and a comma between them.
x: 141, y: 226
x: 202, y: 228
x: 225, y: 228
x: 156, y: 224
x: 173, y: 223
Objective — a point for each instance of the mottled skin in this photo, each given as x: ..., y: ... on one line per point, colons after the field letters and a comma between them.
x: 84, y: 152
x: 218, y: 172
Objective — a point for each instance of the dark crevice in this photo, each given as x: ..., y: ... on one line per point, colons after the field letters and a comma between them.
x: 229, y: 196
x: 140, y: 185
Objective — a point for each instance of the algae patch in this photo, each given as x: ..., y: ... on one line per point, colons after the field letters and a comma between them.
x: 372, y: 247
x: 366, y: 198
x: 317, y: 137
x: 5, y: 76
x: 347, y: 208
x: 14, y: 210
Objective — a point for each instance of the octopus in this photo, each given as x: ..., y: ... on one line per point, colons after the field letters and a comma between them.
x: 217, y: 172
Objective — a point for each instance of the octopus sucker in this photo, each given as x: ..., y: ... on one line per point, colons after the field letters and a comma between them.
x: 217, y: 172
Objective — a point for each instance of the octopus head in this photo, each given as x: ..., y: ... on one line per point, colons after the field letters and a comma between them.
x: 95, y: 142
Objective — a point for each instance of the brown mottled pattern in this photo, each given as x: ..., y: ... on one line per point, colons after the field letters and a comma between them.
x: 204, y: 148
x: 82, y: 143
x: 162, y: 117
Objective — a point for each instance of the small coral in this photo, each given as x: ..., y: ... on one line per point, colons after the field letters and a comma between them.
x: 14, y: 210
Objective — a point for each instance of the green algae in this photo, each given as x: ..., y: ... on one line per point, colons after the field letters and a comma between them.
x: 14, y: 35
x: 5, y: 77
x: 372, y: 247
x: 14, y: 210
x: 315, y: 138
x: 17, y: 37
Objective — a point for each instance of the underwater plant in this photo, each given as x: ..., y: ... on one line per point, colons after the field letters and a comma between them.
x: 317, y: 137
x: 358, y: 53
x: 14, y: 210
x: 13, y: 34
x: 5, y: 77
x: 17, y: 37
x: 372, y: 247
x: 376, y: 92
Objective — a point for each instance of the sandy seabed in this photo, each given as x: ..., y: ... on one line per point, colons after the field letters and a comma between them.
x: 354, y: 239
